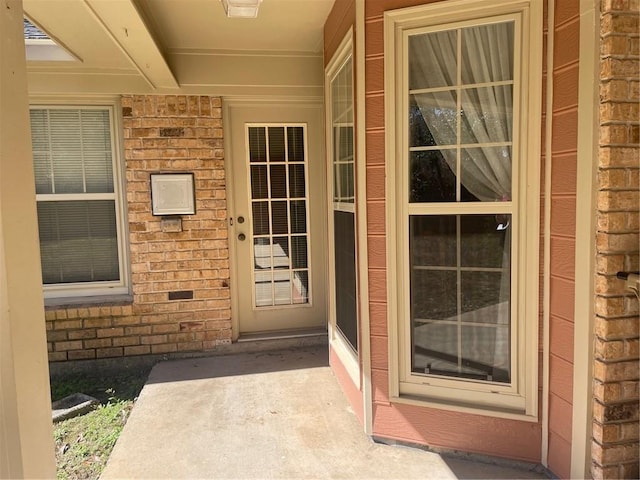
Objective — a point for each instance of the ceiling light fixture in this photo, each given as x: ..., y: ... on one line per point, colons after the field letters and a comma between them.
x: 241, y: 8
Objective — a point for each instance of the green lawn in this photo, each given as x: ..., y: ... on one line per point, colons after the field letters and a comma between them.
x: 83, y: 444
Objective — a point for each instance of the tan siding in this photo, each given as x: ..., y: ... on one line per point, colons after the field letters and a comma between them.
x: 340, y: 19
x: 437, y: 428
x: 564, y: 144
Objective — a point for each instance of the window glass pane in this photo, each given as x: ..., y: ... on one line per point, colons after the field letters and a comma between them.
x: 346, y: 310
x: 300, y: 292
x: 486, y: 173
x: 78, y: 241
x: 263, y: 289
x: 432, y: 60
x: 487, y: 114
x: 279, y: 218
x: 440, y: 112
x: 419, y: 134
x: 282, y: 287
x: 485, y: 297
x: 257, y: 144
x: 296, y: 181
x: 98, y: 169
x: 67, y: 172
x: 461, y: 295
x: 485, y: 353
x: 280, y: 252
x: 298, y: 216
x: 260, y: 212
x: 295, y: 143
x: 72, y: 151
x: 345, y: 186
x: 342, y: 94
x: 344, y: 141
x: 39, y: 130
x: 431, y: 178
x: 278, y: 181
x: 259, y: 186
x: 299, y: 251
x: 435, y: 348
x: 276, y: 144
x: 432, y: 240
x: 484, y: 241
x: 433, y: 295
x: 262, y: 253
x: 43, y: 170
x: 487, y: 53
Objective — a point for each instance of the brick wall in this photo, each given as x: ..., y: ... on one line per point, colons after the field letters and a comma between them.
x: 615, y: 447
x: 163, y: 134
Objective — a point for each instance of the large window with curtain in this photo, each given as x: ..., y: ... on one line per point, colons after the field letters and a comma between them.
x: 79, y: 209
x: 465, y: 206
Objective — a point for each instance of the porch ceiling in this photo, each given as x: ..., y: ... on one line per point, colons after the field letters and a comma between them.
x: 137, y: 46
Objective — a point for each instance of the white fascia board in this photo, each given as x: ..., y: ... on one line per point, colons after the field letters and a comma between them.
x: 123, y: 22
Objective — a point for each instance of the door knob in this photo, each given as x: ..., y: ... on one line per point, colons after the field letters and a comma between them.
x: 240, y: 219
x: 241, y: 237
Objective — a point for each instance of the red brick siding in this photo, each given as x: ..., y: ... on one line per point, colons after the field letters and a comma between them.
x: 163, y: 134
x: 615, y: 447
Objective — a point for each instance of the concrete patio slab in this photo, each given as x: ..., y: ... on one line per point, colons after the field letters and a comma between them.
x: 264, y: 415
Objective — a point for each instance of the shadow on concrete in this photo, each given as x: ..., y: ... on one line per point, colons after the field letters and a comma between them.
x: 239, y: 364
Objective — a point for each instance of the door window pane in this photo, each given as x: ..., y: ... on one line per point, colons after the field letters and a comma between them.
x: 257, y: 144
x: 276, y: 144
x: 259, y: 186
x: 295, y: 142
x: 296, y: 181
x: 278, y: 181
x: 280, y: 240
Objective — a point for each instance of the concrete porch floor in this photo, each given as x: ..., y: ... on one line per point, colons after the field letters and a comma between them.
x: 265, y: 415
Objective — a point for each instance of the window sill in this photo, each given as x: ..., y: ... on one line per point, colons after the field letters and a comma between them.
x: 463, y: 408
x: 78, y: 302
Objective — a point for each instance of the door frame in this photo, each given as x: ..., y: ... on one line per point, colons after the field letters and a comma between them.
x: 228, y: 104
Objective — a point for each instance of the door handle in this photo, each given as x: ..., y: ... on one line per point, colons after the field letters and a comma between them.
x: 241, y: 237
x: 240, y: 219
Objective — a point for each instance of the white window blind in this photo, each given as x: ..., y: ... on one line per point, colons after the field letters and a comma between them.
x: 77, y: 202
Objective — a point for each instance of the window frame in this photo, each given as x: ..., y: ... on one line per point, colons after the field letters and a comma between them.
x: 81, y: 292
x: 340, y: 345
x: 519, y: 398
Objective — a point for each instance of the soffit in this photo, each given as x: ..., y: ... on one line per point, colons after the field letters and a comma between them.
x: 201, y: 25
x: 73, y: 25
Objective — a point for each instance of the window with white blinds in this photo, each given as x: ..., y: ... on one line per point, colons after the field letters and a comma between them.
x: 75, y: 167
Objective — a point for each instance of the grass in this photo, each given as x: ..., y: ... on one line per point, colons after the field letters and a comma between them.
x: 84, y: 443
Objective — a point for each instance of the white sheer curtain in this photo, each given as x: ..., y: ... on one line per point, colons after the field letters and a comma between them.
x: 484, y: 166
x: 487, y: 57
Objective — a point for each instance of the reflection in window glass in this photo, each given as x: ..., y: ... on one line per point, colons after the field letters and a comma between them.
x: 461, y: 295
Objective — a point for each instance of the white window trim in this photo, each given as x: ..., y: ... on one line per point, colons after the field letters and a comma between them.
x: 348, y: 357
x: 77, y: 292
x: 520, y: 399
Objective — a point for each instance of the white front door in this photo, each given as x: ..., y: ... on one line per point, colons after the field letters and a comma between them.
x: 277, y: 216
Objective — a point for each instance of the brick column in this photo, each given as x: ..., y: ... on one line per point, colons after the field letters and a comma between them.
x: 615, y: 448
